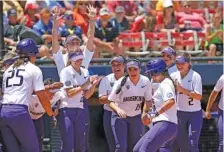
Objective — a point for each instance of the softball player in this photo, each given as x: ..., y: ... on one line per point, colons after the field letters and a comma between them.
x: 36, y: 110
x: 126, y: 99
x: 163, y: 115
x: 71, y: 116
x: 168, y: 55
x: 189, y: 89
x: 218, y: 87
x: 73, y: 42
x: 20, y: 80
x: 105, y: 87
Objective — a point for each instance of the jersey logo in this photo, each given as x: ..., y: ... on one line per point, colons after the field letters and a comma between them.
x: 189, y: 80
x: 144, y: 86
x: 169, y: 94
x: 85, y: 77
x: 68, y: 83
x: 127, y: 86
x: 111, y: 84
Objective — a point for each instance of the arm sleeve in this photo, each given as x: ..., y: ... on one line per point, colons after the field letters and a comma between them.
x: 103, y: 88
x: 168, y: 92
x: 148, y: 93
x: 197, y: 84
x: 66, y: 79
x: 113, y: 96
x: 219, y: 85
x: 87, y: 57
x: 38, y: 83
x: 59, y: 61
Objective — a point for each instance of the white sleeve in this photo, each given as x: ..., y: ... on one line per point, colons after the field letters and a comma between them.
x: 113, y: 96
x: 59, y: 61
x: 87, y: 57
x: 103, y: 87
x: 197, y: 84
x: 168, y: 92
x: 148, y: 93
x: 66, y: 79
x: 219, y: 85
x: 38, y: 83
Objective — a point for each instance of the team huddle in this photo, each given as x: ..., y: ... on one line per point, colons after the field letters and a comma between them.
x: 169, y: 103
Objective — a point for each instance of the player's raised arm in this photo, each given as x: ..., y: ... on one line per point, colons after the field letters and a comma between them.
x: 55, y: 42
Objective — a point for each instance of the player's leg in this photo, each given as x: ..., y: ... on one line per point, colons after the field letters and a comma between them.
x: 182, y: 138
x: 9, y: 138
x: 119, y: 128
x: 159, y: 134
x: 22, y: 126
x: 2, y: 143
x: 87, y: 124
x: 39, y: 127
x: 66, y: 129
x: 79, y: 130
x: 135, y: 131
x: 108, y: 130
x: 220, y: 130
x: 195, y: 125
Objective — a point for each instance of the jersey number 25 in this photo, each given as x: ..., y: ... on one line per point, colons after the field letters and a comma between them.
x: 14, y: 73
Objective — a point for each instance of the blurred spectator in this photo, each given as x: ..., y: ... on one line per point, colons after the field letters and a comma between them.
x: 69, y: 28
x: 123, y: 24
x: 214, y: 36
x: 13, y: 4
x: 144, y: 23
x: 129, y: 6
x: 106, y: 29
x: 31, y: 17
x: 44, y: 26
x: 167, y: 19
x: 9, y: 30
x: 80, y: 15
x: 106, y: 32
x: 160, y: 7
x: 188, y: 20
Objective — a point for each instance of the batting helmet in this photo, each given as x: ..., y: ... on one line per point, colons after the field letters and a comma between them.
x: 155, y: 66
x: 27, y: 47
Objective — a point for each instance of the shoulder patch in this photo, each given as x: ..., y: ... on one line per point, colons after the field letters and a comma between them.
x: 68, y: 83
x: 169, y: 94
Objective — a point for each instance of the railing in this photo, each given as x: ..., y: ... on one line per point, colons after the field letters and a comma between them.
x: 107, y: 60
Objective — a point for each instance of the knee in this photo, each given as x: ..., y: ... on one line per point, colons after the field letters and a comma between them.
x: 212, y: 47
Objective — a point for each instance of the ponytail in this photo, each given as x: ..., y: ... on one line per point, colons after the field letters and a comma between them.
x: 20, y: 61
x: 123, y: 81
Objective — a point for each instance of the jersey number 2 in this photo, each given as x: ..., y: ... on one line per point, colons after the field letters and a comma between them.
x: 15, y: 73
x: 190, y: 101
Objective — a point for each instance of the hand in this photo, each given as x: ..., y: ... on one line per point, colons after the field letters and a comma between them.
x: 92, y: 12
x: 121, y: 113
x: 180, y: 88
x: 56, y: 14
x: 56, y: 112
x: 54, y: 121
x: 208, y: 114
x: 146, y: 119
x: 97, y: 81
x: 56, y: 85
x: 93, y: 78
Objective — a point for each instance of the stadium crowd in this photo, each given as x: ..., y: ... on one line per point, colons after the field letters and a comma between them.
x: 121, y: 27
